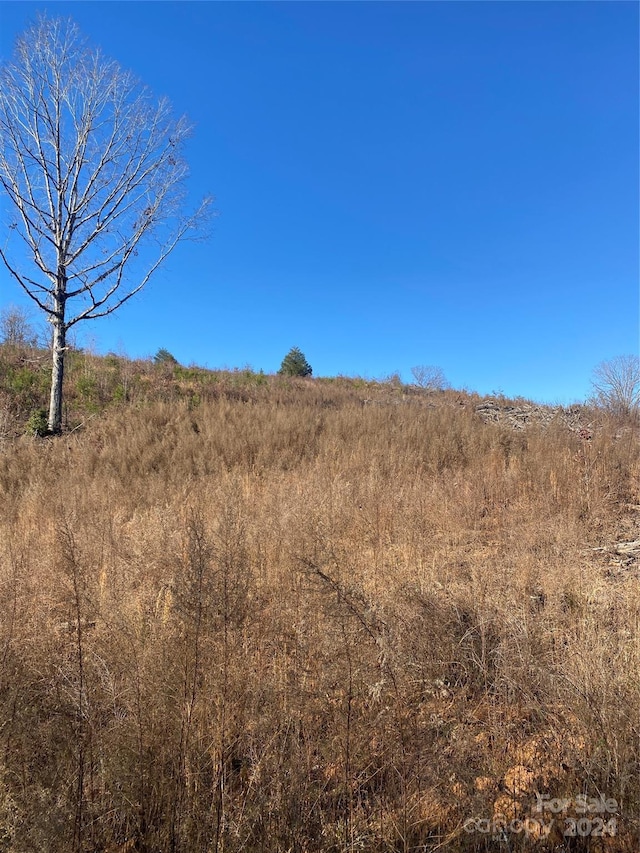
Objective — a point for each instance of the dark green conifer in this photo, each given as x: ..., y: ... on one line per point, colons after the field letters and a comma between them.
x: 295, y: 364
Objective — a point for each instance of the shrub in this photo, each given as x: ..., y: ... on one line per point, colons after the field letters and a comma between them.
x: 27, y: 386
x: 120, y: 394
x: 38, y: 423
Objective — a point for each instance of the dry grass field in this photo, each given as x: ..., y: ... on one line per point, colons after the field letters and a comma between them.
x: 243, y: 613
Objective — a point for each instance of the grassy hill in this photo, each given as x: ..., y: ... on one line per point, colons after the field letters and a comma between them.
x: 243, y: 612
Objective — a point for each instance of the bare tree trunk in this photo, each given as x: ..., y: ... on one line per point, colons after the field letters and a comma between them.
x: 59, y: 348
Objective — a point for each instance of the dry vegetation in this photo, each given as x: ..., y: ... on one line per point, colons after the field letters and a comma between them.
x: 244, y: 613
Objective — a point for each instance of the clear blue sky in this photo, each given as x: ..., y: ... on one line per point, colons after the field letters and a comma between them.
x: 453, y: 184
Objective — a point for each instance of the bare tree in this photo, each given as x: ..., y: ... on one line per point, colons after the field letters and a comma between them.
x: 616, y: 385
x: 93, y: 169
x: 16, y: 329
x: 429, y: 377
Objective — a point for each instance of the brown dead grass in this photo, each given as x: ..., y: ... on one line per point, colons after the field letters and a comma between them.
x: 284, y: 619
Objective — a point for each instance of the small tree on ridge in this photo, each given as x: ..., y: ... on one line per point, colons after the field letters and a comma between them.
x: 429, y: 377
x: 15, y: 327
x: 295, y: 364
x: 163, y: 356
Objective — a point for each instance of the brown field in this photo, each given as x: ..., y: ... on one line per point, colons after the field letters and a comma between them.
x: 241, y: 613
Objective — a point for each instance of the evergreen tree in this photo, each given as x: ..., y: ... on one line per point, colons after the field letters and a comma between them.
x: 295, y: 364
x: 163, y: 356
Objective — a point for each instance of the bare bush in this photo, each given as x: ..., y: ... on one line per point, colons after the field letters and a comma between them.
x: 616, y: 385
x: 429, y: 377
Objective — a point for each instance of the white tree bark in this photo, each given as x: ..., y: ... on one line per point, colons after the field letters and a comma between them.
x: 93, y: 169
x: 58, y: 350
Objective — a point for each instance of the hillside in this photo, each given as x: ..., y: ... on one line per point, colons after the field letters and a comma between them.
x: 243, y: 612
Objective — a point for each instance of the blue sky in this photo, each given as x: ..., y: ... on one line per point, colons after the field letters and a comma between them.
x: 452, y: 184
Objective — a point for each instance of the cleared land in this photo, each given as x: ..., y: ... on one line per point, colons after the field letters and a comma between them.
x: 246, y: 613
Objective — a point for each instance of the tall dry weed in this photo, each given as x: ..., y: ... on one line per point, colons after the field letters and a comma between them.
x: 291, y: 619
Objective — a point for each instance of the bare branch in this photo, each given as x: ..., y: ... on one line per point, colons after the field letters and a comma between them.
x: 28, y: 285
